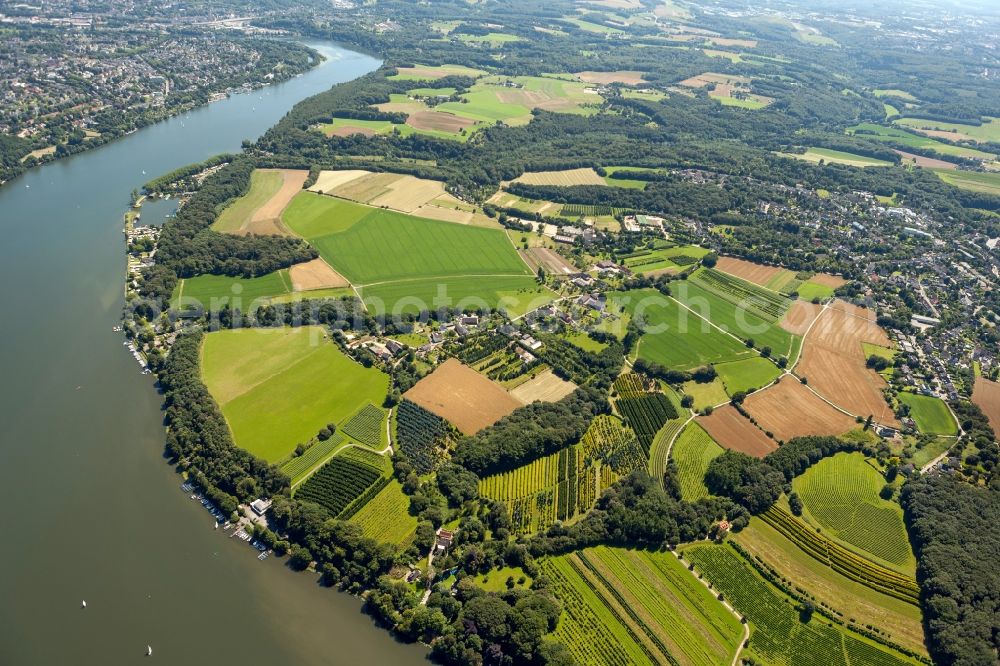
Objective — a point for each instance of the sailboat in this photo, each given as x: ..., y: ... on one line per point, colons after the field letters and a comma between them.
x: 83, y: 604
x: 149, y: 651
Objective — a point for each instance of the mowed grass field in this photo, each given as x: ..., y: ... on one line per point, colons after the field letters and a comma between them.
x: 403, y: 261
x: 777, y: 635
x: 841, y: 496
x: 988, y: 131
x: 386, y: 517
x: 829, y: 156
x: 693, y: 450
x: 902, y: 137
x: 263, y: 186
x: 930, y: 414
x: 681, y: 339
x: 638, y: 607
x: 747, y: 374
x: 278, y: 387
x: 215, y: 291
x: 974, y: 181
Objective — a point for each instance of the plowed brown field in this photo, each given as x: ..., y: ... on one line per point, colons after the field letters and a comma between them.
x: 788, y: 409
x: 987, y: 395
x: 464, y: 397
x: 748, y: 270
x: 734, y: 431
x: 833, y: 361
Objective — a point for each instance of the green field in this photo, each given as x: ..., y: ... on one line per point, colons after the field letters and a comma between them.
x: 692, y: 452
x: 778, y: 636
x: 492, y: 38
x: 808, y: 290
x: 263, y: 186
x: 930, y: 414
x: 974, y: 181
x: 386, y: 517
x: 214, y: 291
x: 837, y: 157
x: 278, y: 387
x: 739, y: 321
x: 902, y: 137
x: 706, y: 394
x: 407, y: 262
x: 747, y: 374
x: 585, y: 342
x: 854, y: 599
x: 894, y: 92
x: 988, y: 131
x: 686, y: 341
x: 637, y: 607
x: 841, y: 496
x: 299, y: 467
x: 677, y: 258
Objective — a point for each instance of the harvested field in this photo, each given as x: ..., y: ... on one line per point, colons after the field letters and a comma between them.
x: 561, y: 178
x: 800, y: 316
x: 944, y: 134
x: 748, y: 270
x: 462, y: 396
x: 827, y: 280
x: 546, y: 387
x: 726, y: 41
x: 734, y: 431
x: 833, y: 361
x: 366, y: 188
x: 438, y: 120
x: 703, y: 80
x: 431, y: 73
x: 266, y: 220
x: 330, y: 180
x: 407, y: 193
x: 315, y: 274
x: 921, y: 161
x: 987, y: 396
x: 435, y: 212
x: 789, y: 409
x: 630, y: 78
x: 550, y: 260
x: 349, y: 130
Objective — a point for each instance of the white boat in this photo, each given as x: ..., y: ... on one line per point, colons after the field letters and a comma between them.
x: 83, y: 604
x: 149, y: 651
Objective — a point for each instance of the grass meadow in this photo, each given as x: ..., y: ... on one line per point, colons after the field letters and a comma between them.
x: 263, y: 186
x: 279, y: 387
x: 747, y: 374
x: 930, y: 414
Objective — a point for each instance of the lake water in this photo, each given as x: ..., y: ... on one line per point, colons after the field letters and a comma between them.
x: 90, y: 509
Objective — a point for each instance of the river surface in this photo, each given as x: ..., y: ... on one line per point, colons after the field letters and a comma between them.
x: 89, y: 509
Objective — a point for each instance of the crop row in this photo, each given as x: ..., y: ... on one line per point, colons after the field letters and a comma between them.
x: 646, y: 414
x: 300, y: 465
x: 576, y: 210
x: 338, y: 483
x: 420, y: 435
x: 840, y: 559
x: 614, y: 444
x: 366, y: 425
x: 479, y: 347
x: 631, y: 384
x: 779, y: 636
x: 769, y: 305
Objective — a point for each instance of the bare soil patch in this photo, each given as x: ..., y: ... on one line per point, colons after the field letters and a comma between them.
x: 464, y: 397
x: 833, y: 361
x: 316, y: 274
x: 748, y: 270
x: 546, y: 387
x: 734, y: 431
x: 788, y: 409
x: 929, y: 162
x: 438, y: 120
x: 703, y: 80
x: 407, y: 193
x: 628, y: 77
x: 551, y: 261
x: 366, y: 188
x: 943, y: 134
x: 266, y: 220
x: 444, y: 214
x: 799, y: 316
x: 726, y: 41
x: 986, y: 395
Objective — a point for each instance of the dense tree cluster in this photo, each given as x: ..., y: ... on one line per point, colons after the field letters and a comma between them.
x: 957, y: 552
x: 530, y: 432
